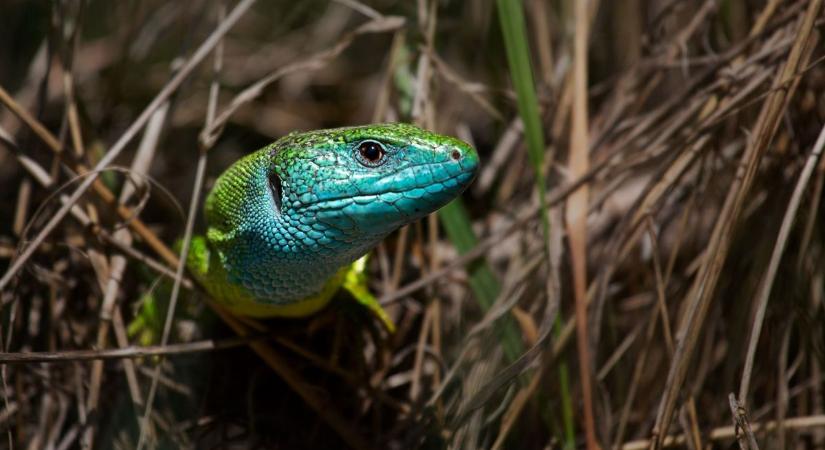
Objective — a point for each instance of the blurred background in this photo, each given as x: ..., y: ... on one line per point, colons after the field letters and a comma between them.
x: 638, y: 265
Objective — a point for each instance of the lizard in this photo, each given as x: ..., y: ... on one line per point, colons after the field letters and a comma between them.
x: 288, y: 225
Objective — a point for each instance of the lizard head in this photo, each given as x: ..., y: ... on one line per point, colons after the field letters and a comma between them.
x: 284, y: 219
x: 367, y: 181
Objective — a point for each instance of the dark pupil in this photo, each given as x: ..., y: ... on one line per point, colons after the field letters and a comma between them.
x: 371, y: 151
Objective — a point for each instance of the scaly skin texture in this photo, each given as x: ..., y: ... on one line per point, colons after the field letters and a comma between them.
x: 286, y: 221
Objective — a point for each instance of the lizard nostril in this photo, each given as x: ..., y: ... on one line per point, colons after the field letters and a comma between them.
x: 455, y: 155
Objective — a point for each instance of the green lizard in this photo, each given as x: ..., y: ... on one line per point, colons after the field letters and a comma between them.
x: 287, y: 223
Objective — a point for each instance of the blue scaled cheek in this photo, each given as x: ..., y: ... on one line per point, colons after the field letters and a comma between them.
x: 335, y: 191
x: 374, y: 201
x: 381, y: 214
x: 358, y: 213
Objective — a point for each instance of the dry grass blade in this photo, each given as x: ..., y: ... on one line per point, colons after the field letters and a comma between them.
x: 674, y: 149
x: 576, y: 212
x: 283, y: 369
x: 380, y: 25
x: 721, y: 434
x: 51, y: 141
x: 109, y: 314
x: 167, y: 325
x: 742, y: 426
x: 130, y: 352
x: 765, y: 287
x: 704, y: 286
x: 127, y: 136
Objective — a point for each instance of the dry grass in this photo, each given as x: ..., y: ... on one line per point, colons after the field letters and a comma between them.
x: 680, y: 242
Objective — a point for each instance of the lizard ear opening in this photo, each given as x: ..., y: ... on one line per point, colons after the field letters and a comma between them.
x: 275, y: 190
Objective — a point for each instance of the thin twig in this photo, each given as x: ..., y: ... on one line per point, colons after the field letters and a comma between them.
x: 742, y: 426
x: 130, y: 352
x: 720, y: 434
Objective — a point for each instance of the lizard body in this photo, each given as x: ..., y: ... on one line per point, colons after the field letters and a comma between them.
x: 285, y: 222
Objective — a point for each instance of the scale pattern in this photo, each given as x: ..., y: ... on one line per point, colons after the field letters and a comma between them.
x: 285, y: 221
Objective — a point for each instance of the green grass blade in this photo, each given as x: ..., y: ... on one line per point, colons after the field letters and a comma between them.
x: 483, y: 282
x: 513, y: 29
x: 518, y: 58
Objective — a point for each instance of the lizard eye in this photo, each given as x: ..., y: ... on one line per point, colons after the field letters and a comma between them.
x: 371, y: 153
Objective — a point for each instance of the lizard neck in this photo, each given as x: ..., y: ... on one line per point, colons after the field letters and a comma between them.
x: 277, y: 261
x: 274, y: 257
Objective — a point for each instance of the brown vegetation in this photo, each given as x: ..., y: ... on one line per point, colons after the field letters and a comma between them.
x: 677, y: 146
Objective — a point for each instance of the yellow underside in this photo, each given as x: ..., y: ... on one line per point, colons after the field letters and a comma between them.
x: 238, y: 301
